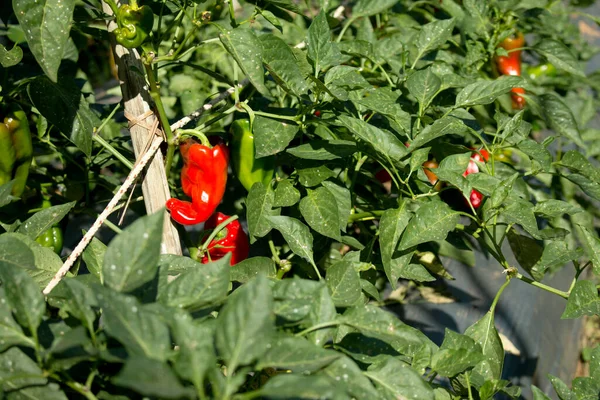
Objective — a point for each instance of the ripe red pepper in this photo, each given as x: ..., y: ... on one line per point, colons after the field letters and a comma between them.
x: 232, y: 239
x: 511, y: 65
x: 203, y: 178
x: 481, y: 155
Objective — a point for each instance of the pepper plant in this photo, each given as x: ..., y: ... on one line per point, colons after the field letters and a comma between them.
x: 371, y: 141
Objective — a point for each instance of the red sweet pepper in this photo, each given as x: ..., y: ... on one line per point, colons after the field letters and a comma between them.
x: 511, y: 65
x: 232, y: 239
x: 481, y: 155
x: 203, y: 178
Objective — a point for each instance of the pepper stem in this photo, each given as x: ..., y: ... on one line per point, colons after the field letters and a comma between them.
x: 214, y: 233
x: 197, y: 134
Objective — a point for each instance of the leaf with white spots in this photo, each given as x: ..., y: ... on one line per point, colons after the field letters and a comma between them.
x: 296, y: 234
x: 319, y: 209
x: 431, y: 222
x: 271, y: 137
x: 485, y: 334
x: 246, y: 49
x: 140, y: 331
x: 296, y: 354
x: 397, y: 380
x: 131, y: 258
x: 24, y: 296
x: 11, y: 333
x: 43, y: 220
x: 46, y: 24
x: 343, y: 281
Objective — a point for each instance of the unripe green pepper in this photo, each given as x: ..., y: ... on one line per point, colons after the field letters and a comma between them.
x: 246, y: 167
x: 16, y: 150
x: 53, y: 237
x: 134, y: 25
x: 541, y: 70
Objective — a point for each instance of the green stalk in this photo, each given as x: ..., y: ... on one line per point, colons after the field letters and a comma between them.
x: 495, y: 302
x: 100, y: 140
x: 316, y: 327
x: 215, y: 231
x: 162, y: 116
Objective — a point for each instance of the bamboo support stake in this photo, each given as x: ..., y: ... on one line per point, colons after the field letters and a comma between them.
x: 136, y: 100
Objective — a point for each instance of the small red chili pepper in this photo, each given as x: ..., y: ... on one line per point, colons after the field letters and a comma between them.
x: 203, y: 178
x: 232, y: 239
x: 511, y: 65
x: 482, y: 155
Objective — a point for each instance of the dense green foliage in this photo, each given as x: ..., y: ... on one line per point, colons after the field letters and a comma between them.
x: 335, y: 91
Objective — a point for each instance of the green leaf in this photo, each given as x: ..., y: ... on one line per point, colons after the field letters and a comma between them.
x: 527, y: 251
x: 320, y: 50
x: 322, y: 310
x: 198, y: 287
x: 432, y: 221
x: 577, y: 162
x: 10, y: 58
x: 93, y: 256
x: 553, y: 208
x: 564, y: 393
x: 47, y: 262
x: 246, y: 48
x: 560, y: 118
x: 591, y: 246
x: 320, y: 211
x: 485, y: 334
x: 502, y: 191
x: 443, y: 126
x: 356, y: 383
x: 310, y: 176
x: 76, y: 298
x: 344, y: 283
x: 384, y: 101
x: 46, y: 25
x: 376, y: 323
x: 384, y: 143
x: 296, y: 234
x: 294, y: 297
x: 296, y: 354
x: 50, y: 391
x: 23, y: 295
x: 485, y: 92
x: 324, y: 149
x: 151, y: 378
x: 15, y: 253
x: 424, y: 85
x: 560, y: 56
x: 367, y: 8
x: 10, y: 332
x: 456, y: 354
x: 302, y: 387
x: 141, y: 332
x: 343, y: 200
x: 131, y: 258
x: 17, y: 371
x: 286, y: 195
x: 391, y: 226
x: 282, y: 64
x: 251, y: 267
x: 43, y: 220
x: 583, y: 300
x: 245, y: 324
x: 432, y: 36
x: 396, y: 380
x: 197, y: 354
x: 555, y: 255
x: 520, y: 211
x: 538, y: 394
x: 259, y: 205
x: 5, y: 190
x: 64, y: 106
x: 271, y: 136
x: 536, y: 152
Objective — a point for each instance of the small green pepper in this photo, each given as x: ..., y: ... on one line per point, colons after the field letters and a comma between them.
x: 16, y: 150
x: 134, y: 25
x: 53, y: 237
x: 541, y: 70
x: 246, y: 167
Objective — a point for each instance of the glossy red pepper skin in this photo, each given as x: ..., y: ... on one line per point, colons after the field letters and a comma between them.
x: 203, y: 178
x: 482, y: 155
x: 511, y: 65
x: 234, y: 240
